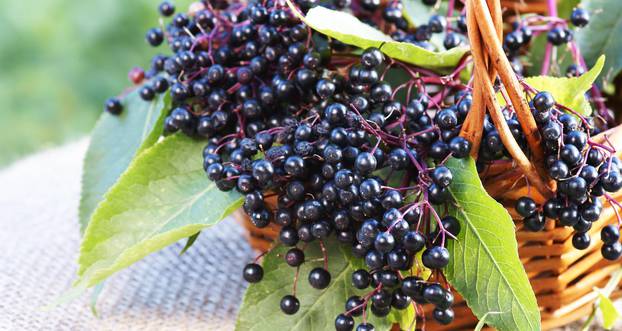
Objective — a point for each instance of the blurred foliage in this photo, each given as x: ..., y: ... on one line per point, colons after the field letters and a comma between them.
x: 59, y: 61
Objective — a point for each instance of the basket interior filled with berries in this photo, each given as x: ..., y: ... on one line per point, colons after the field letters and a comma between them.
x: 414, y: 164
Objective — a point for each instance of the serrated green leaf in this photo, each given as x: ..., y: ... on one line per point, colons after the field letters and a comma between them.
x: 602, y: 35
x: 608, y: 310
x: 484, y: 266
x: 163, y: 197
x: 569, y: 92
x: 115, y: 141
x: 350, y: 30
x: 318, y: 308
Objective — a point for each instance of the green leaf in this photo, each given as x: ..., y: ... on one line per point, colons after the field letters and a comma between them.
x: 608, y: 310
x: 570, y: 92
x: 97, y: 291
x: 115, y: 141
x: 416, y: 13
x: 318, y: 308
x: 163, y: 197
x: 485, y: 267
x: 191, y: 240
x: 602, y: 35
x: 406, y: 318
x: 482, y: 322
x: 351, y: 31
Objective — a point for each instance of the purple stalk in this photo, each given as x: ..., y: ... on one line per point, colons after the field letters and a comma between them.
x: 547, y: 59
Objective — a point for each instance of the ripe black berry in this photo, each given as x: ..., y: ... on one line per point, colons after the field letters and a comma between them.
x: 344, y: 323
x: 166, y: 9
x: 319, y: 278
x: 581, y: 240
x: 579, y: 17
x: 525, y: 206
x: 543, y: 101
x: 611, y: 252
x: 443, y: 316
x: 436, y: 257
x: 114, y: 106
x: 290, y: 304
x: 361, y: 279
x: 253, y: 273
x: 154, y: 37
x: 610, y: 234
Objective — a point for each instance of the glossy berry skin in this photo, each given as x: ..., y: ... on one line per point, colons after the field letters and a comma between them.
x: 558, y: 36
x: 400, y: 300
x: 354, y: 305
x: 384, y: 242
x: 290, y: 304
x: 610, y: 234
x: 580, y: 17
x: 294, y: 257
x: 166, y: 9
x: 525, y: 206
x: 372, y: 57
x: 436, y: 257
x: 344, y: 323
x: 434, y: 294
x: 611, y: 252
x: 361, y: 279
x: 413, y: 241
x: 154, y: 37
x: 443, y: 316
x: 147, y: 93
x: 365, y: 327
x: 451, y: 225
x: 442, y: 176
x: 459, y: 147
x: 451, y: 40
x: 559, y: 170
x: 114, y: 106
x: 581, y: 240
x: 543, y: 101
x: 365, y: 163
x: 534, y: 222
x: 319, y: 278
x: 253, y: 273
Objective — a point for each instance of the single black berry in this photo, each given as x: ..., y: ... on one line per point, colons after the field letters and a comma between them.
x: 290, y: 304
x: 253, y: 273
x: 319, y: 278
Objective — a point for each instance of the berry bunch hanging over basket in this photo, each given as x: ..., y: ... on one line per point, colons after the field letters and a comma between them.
x: 369, y: 145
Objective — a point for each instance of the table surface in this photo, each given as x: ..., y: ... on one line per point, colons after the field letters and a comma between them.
x: 39, y: 241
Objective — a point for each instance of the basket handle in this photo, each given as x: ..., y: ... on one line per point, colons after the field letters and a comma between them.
x: 489, y: 60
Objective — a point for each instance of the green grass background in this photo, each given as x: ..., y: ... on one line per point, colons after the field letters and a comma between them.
x: 60, y: 60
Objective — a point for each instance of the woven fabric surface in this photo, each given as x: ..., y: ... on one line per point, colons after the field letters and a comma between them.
x: 39, y: 242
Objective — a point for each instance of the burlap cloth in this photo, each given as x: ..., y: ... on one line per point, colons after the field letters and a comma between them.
x: 39, y: 241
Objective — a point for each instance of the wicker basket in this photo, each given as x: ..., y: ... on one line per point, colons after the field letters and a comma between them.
x: 561, y: 276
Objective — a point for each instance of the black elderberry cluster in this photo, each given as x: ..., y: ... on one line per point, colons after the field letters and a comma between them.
x: 583, y: 170
x: 321, y: 145
x: 422, y: 35
x: 558, y: 34
x: 288, y: 118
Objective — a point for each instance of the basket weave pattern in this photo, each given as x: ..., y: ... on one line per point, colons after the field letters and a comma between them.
x: 562, y: 277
